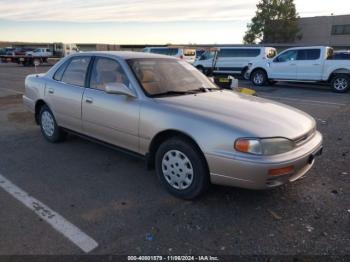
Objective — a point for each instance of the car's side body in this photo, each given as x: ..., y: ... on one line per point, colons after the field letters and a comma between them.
x: 210, y: 121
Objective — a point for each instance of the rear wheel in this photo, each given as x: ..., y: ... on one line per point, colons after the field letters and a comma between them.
x: 49, y: 128
x: 259, y: 77
x: 340, y: 83
x: 181, y: 168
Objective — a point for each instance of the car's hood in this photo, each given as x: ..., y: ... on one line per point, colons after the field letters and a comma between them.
x: 255, y: 116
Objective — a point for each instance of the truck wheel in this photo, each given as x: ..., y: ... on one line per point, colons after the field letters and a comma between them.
x: 181, y: 168
x: 259, y: 77
x: 340, y: 83
x: 49, y: 128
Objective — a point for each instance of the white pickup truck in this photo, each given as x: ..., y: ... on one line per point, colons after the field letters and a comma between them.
x: 302, y: 64
x: 42, y: 52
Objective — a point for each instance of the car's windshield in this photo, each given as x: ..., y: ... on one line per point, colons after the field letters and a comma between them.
x: 169, y: 77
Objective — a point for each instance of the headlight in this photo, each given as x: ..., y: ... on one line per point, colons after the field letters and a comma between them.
x: 264, y: 146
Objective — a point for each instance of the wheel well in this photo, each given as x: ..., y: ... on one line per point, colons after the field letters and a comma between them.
x: 38, y: 106
x: 337, y: 72
x: 244, y: 69
x: 165, y: 135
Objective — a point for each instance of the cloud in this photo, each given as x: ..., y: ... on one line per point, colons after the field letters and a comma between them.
x: 127, y: 10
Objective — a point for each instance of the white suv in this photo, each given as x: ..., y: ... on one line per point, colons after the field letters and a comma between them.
x: 232, y: 60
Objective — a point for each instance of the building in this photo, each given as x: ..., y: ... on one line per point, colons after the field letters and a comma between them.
x: 331, y: 31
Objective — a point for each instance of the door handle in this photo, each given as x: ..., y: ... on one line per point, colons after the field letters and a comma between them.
x: 51, y: 90
x: 89, y: 100
x: 293, y: 64
x: 316, y: 64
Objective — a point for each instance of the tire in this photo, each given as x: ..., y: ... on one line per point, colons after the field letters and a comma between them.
x: 259, y: 77
x: 181, y: 168
x: 340, y: 83
x: 48, y: 125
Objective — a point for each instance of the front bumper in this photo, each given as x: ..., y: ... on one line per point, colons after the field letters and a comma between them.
x: 253, y: 172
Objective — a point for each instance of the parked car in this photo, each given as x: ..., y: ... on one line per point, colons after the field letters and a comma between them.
x: 341, y: 55
x: 9, y: 51
x: 187, y: 54
x: 232, y: 60
x: 42, y: 52
x: 22, y: 51
x: 167, y: 112
x: 303, y: 64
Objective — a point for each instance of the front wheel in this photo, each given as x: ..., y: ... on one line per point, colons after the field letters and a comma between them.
x: 259, y: 77
x: 340, y: 83
x: 49, y: 128
x: 181, y: 168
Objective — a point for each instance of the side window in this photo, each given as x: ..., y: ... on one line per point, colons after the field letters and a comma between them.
x: 76, y: 71
x: 309, y: 54
x: 106, y: 71
x: 59, y: 73
x: 287, y: 56
x: 313, y: 54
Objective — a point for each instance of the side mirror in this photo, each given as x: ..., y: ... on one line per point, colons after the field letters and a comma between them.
x: 276, y: 60
x: 119, y: 89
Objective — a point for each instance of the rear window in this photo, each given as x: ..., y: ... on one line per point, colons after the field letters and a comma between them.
x: 76, y: 71
x: 165, y: 51
x: 59, y: 73
x: 239, y: 52
x: 189, y: 52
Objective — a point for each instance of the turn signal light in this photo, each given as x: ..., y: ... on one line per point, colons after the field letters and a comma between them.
x: 281, y: 171
x: 242, y: 145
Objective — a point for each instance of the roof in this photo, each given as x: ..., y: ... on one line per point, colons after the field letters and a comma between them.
x: 124, y: 54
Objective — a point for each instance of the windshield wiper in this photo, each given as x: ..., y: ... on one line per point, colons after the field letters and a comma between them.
x: 204, y: 89
x: 189, y: 92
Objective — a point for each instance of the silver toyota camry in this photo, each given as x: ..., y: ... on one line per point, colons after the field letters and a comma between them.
x: 164, y: 110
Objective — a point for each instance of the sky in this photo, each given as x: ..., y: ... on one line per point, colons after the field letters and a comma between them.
x: 139, y: 22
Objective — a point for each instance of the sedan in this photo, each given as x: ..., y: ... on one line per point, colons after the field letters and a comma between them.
x: 165, y: 111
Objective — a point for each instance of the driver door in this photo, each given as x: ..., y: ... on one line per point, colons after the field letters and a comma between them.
x: 112, y: 118
x: 284, y: 66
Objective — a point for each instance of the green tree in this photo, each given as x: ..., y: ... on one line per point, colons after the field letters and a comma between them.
x: 275, y: 21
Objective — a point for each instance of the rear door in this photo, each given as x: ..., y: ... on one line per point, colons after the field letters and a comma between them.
x: 284, y: 66
x: 64, y: 93
x: 112, y: 118
x: 309, y: 64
